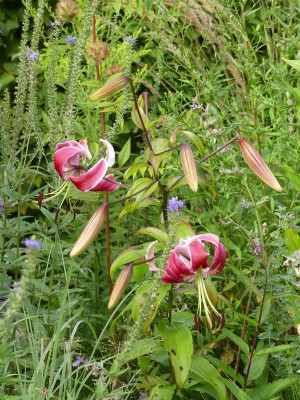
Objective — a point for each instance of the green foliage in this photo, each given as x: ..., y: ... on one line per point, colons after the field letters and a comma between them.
x: 213, y: 70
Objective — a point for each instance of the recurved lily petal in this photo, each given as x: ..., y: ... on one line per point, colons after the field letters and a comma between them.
x: 110, y: 153
x: 90, y: 231
x: 219, y: 259
x: 105, y: 185
x: 92, y: 177
x: 149, y: 255
x: 189, y: 166
x: 120, y: 286
x: 257, y: 164
x: 111, y: 87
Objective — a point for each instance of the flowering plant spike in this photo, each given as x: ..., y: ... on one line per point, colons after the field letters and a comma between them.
x: 66, y: 162
x: 257, y: 164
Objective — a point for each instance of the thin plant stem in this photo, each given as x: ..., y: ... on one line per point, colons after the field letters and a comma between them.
x: 140, y: 117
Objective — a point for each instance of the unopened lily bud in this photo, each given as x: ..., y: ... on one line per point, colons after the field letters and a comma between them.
x: 173, y: 137
x: 98, y: 51
x: 113, y: 69
x: 257, y: 164
x: 90, y: 231
x: 189, y: 166
x: 120, y: 286
x: 110, y: 87
x: 66, y: 10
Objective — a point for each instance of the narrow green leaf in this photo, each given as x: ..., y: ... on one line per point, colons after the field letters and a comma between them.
x: 268, y: 390
x: 293, y: 176
x: 125, y: 153
x: 277, y: 349
x: 208, y: 373
x: 293, y: 63
x: 156, y: 233
x: 245, y: 280
x: 257, y: 367
x: 236, y: 339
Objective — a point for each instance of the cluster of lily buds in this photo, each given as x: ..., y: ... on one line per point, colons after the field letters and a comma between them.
x: 189, y: 166
x: 66, y: 10
x: 66, y: 162
x: 111, y: 87
x: 257, y: 164
x: 98, y: 51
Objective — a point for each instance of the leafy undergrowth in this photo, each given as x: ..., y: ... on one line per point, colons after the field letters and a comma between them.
x: 198, y: 105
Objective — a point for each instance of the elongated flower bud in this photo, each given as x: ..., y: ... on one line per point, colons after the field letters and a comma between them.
x: 257, y: 164
x: 120, y: 286
x: 110, y: 87
x: 90, y: 231
x: 189, y: 166
x: 173, y: 137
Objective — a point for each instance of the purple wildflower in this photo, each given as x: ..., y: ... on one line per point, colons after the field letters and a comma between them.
x: 143, y: 396
x: 70, y: 39
x: 175, y: 205
x: 16, y: 286
x: 32, y: 55
x: 55, y: 23
x: 193, y: 107
x: 78, y: 361
x: 130, y: 39
x: 31, y: 243
x: 1, y: 206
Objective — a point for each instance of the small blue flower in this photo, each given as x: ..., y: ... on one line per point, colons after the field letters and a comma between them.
x: 130, y: 39
x: 55, y: 23
x: 32, y: 55
x: 193, y: 107
x: 78, y: 361
x: 70, y: 39
x: 16, y: 286
x: 143, y: 396
x: 175, y: 205
x: 31, y: 243
x: 1, y: 206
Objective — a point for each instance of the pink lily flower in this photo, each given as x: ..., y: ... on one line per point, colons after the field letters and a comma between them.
x: 66, y: 161
x: 189, y: 256
x: 188, y: 263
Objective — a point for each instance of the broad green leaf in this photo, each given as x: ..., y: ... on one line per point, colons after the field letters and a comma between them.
x: 156, y: 233
x: 296, y: 93
x: 208, y: 373
x: 162, y: 392
x: 136, y: 119
x: 125, y: 153
x: 293, y: 176
x: 184, y: 318
x: 268, y: 390
x: 236, y: 339
x: 139, y: 272
x: 277, y: 349
x: 196, y: 141
x: 293, y: 63
x: 127, y: 256
x: 292, y: 240
x: 184, y: 230
x: 178, y: 342
x: 245, y: 280
x: 133, y: 169
x: 257, y: 367
x: 158, y: 145
x: 139, y: 348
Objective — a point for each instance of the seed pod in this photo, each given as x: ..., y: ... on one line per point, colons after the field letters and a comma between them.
x: 189, y: 166
x: 257, y: 164
x: 90, y: 231
x: 66, y: 10
x: 110, y: 87
x: 98, y: 51
x: 120, y: 286
x: 113, y: 69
